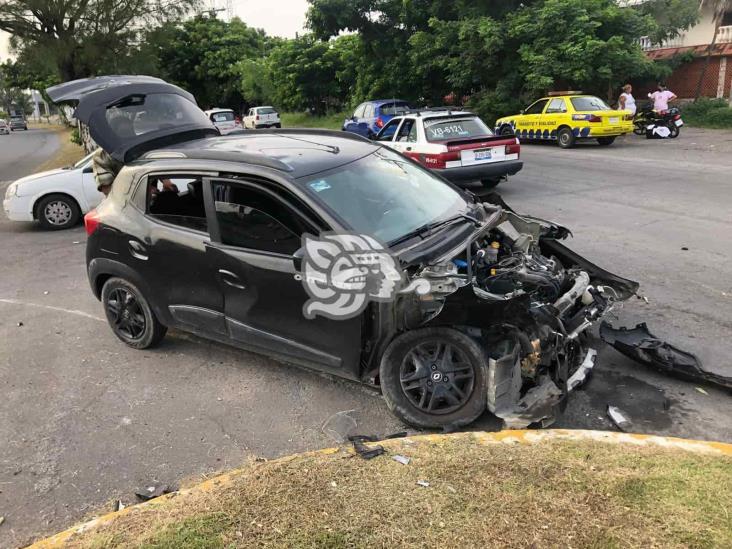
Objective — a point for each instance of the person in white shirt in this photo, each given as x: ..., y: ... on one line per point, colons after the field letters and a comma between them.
x: 626, y: 101
x: 661, y: 99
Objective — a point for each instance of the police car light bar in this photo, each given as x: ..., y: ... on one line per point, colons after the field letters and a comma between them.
x: 570, y: 92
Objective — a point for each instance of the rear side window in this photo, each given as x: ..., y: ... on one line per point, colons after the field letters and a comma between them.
x: 255, y: 220
x: 177, y: 200
x: 394, y: 109
x: 455, y: 128
x: 589, y: 104
x: 358, y: 113
x: 225, y: 116
x: 408, y: 131
x: 369, y: 111
x: 537, y: 107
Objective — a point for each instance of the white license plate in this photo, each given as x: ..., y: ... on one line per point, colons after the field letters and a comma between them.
x: 483, y: 155
x: 679, y: 123
x: 615, y: 120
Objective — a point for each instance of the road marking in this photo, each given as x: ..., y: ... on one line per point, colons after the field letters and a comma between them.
x: 51, y: 308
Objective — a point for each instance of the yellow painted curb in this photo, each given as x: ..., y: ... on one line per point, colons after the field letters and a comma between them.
x: 482, y: 437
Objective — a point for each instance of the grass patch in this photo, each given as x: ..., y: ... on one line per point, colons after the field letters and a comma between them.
x: 305, y: 120
x: 708, y: 113
x: 67, y: 153
x: 555, y: 493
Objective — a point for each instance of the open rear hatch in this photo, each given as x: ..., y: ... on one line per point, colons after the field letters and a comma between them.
x: 130, y: 115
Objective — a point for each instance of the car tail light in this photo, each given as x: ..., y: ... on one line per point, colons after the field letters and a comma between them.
x: 91, y: 222
x: 440, y: 160
x: 257, y: 118
x: 587, y: 117
x: 677, y: 117
x: 379, y: 122
x: 513, y: 148
x: 237, y: 120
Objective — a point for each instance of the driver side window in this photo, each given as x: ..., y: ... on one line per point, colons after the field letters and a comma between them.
x: 537, y: 107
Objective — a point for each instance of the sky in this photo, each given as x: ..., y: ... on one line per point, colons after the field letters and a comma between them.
x: 277, y: 17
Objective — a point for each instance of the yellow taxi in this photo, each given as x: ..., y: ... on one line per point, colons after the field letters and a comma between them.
x: 565, y: 117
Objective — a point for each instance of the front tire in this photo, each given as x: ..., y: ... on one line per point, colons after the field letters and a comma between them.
x: 130, y: 316
x: 434, y: 378
x: 57, y: 211
x: 566, y: 138
x: 605, y: 141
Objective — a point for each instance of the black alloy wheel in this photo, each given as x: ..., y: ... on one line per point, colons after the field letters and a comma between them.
x: 434, y: 378
x: 126, y: 314
x: 130, y: 316
x: 437, y: 377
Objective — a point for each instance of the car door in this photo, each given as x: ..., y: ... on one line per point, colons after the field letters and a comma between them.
x: 529, y: 123
x: 388, y: 133
x: 554, y: 116
x: 256, y: 235
x: 406, y: 136
x: 168, y: 249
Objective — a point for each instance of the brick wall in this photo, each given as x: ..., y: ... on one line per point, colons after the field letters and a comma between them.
x: 685, y: 78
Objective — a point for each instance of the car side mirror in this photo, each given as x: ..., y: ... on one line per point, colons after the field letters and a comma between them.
x: 88, y: 169
x: 297, y: 259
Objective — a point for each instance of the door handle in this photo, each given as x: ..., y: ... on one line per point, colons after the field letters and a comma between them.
x: 230, y: 279
x: 138, y: 250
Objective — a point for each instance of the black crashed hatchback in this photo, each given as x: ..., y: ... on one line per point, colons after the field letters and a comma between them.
x: 325, y: 250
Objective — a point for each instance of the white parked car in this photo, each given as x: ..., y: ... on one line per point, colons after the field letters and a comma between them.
x: 4, y: 128
x: 224, y: 119
x: 56, y: 198
x: 262, y: 117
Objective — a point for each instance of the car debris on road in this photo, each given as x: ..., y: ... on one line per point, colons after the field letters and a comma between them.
x: 619, y: 418
x: 642, y: 346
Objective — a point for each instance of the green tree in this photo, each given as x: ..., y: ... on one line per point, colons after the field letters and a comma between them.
x: 204, y: 55
x: 82, y: 37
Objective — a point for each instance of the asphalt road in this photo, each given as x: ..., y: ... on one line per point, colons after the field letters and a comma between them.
x: 85, y: 420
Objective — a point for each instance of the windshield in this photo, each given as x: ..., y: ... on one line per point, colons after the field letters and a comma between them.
x: 393, y: 109
x: 83, y: 161
x: 385, y: 196
x: 223, y: 116
x: 589, y: 104
x: 138, y: 114
x: 454, y: 128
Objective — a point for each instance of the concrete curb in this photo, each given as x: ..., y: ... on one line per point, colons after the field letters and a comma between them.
x: 482, y: 437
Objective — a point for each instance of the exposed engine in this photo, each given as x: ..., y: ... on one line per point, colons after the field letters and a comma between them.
x: 530, y: 298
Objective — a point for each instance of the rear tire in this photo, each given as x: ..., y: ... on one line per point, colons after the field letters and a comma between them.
x: 605, y: 141
x: 565, y: 138
x: 58, y: 211
x: 434, y: 378
x: 130, y: 316
x: 278, y: 125
x: 639, y: 128
x: 507, y: 130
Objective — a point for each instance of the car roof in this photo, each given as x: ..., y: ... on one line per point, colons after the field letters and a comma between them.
x: 382, y: 101
x: 298, y: 153
x: 223, y: 109
x: 426, y: 115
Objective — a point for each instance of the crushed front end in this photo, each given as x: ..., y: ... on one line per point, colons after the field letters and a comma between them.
x: 529, y: 299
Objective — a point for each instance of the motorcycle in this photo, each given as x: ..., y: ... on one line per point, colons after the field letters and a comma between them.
x: 646, y: 116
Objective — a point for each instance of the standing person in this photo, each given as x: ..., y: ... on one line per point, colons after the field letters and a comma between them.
x: 626, y: 101
x: 661, y: 98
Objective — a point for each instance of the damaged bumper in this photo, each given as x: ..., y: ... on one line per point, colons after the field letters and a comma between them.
x: 529, y: 299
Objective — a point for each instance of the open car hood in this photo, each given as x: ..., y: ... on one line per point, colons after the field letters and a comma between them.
x: 130, y: 115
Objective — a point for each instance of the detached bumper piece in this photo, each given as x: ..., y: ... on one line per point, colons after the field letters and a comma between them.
x: 643, y: 347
